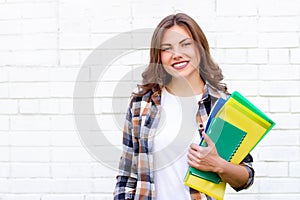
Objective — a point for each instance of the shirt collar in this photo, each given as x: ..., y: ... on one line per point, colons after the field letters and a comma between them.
x: 209, y: 91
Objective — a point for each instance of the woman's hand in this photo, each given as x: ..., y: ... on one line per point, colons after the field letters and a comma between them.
x: 208, y: 159
x: 205, y: 158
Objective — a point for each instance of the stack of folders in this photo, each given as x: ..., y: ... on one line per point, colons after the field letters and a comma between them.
x: 236, y: 126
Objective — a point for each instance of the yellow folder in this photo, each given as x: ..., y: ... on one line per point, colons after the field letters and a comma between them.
x: 242, y: 117
x: 215, y: 190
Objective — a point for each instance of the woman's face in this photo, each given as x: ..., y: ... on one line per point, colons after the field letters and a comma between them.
x: 179, y: 54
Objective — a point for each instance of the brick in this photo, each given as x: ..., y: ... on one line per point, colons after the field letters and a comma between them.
x: 249, y: 88
x: 69, y: 58
x: 278, y: 154
x: 4, y: 186
x: 295, y: 58
x: 20, y: 74
x: 103, y: 185
x: 32, y: 186
x: 260, y: 102
x: 285, y: 121
x: 279, y: 88
x: 63, y: 197
x: 4, y: 139
x: 75, y: 25
x: 278, y: 24
x: 30, y: 139
x: 101, y: 171
x: 30, y: 123
x: 49, y: 106
x: 10, y: 27
x: 4, y: 170
x: 111, y: 105
x: 20, y: 197
x: 62, y: 89
x: 66, y: 106
x: 73, y: 186
x: 280, y: 185
x: 30, y: 58
x: 236, y: 56
x: 29, y: 90
x: 271, y: 169
x: 3, y: 74
x: 279, y: 56
x: 39, y: 26
x: 64, y: 139
x: 233, y: 72
x: 278, y: 8
x: 29, y: 106
x: 62, y: 123
x: 73, y: 41
x: 79, y: 9
x: 98, y: 196
x: 236, y: 24
x: 115, y: 73
x: 257, y: 56
x: 140, y: 10
x: 279, y: 72
x: 39, y: 10
x: 4, y: 154
x: 10, y: 11
x: 73, y: 170
x: 225, y: 8
x: 295, y: 104
x: 278, y: 40
x: 4, y: 88
x: 8, y: 106
x: 30, y: 170
x: 107, y: 122
x: 70, y: 154
x: 114, y: 89
x: 68, y: 74
x: 237, y: 40
x: 279, y: 105
x: 294, y: 169
x: 43, y: 41
x: 4, y: 123
x: 30, y: 154
x: 274, y: 138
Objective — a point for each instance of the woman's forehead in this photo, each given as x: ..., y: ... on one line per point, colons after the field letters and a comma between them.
x: 175, y: 34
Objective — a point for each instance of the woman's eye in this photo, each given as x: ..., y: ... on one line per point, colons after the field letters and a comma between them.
x: 187, y: 44
x: 166, y: 49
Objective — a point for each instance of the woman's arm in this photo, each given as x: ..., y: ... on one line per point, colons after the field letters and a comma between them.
x: 207, y: 159
x: 126, y: 178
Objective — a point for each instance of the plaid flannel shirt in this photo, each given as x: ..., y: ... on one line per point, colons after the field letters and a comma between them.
x: 135, y: 177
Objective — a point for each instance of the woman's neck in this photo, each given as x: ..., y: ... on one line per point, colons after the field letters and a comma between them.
x: 185, y: 87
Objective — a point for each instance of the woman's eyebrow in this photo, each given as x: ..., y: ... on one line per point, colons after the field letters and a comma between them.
x: 168, y: 44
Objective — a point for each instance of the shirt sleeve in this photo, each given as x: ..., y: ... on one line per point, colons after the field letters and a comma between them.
x: 127, y: 174
x: 247, y: 163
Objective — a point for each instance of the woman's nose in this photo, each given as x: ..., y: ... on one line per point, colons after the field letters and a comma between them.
x: 176, y: 53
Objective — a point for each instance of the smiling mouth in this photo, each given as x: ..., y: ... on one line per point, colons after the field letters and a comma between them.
x: 180, y: 65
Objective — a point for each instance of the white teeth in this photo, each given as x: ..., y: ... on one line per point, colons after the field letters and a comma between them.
x: 180, y: 64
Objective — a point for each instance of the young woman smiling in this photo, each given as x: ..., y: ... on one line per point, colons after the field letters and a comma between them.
x: 160, y: 137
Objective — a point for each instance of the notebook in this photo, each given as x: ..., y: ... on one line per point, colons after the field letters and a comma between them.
x: 218, y: 105
x: 250, y: 119
x: 227, y: 139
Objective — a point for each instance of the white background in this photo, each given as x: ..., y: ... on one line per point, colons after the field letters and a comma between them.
x: 43, y: 44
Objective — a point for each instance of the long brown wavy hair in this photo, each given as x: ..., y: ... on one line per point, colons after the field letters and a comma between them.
x: 155, y: 75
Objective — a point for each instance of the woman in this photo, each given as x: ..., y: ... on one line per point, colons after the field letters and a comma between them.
x: 180, y: 74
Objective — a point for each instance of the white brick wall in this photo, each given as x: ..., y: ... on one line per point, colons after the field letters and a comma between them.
x: 44, y: 43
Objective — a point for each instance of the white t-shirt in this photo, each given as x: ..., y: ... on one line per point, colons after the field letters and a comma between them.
x: 176, y: 131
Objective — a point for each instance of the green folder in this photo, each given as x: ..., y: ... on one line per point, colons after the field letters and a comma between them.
x: 240, y: 98
x: 227, y: 139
